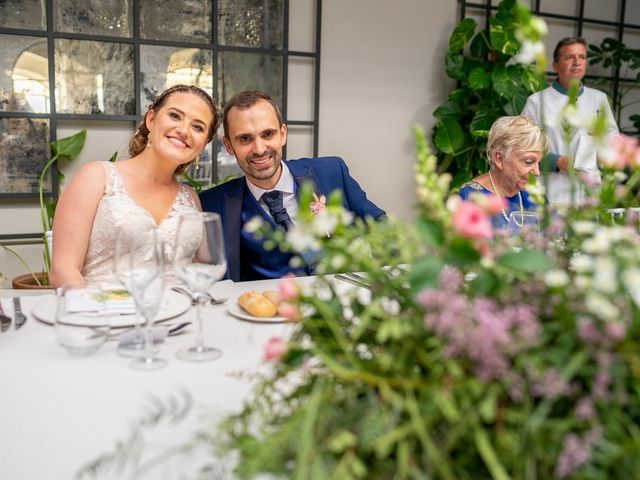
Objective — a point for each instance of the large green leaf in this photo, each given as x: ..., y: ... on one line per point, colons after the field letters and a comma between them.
x: 516, y: 103
x: 448, y: 109
x: 526, y: 260
x: 504, y: 40
x: 449, y: 137
x: 430, y: 232
x: 532, y: 80
x: 481, y: 123
x: 461, y: 35
x: 479, y: 49
x: 425, y: 273
x: 69, y: 147
x: 479, y: 78
x: 462, y: 253
x: 454, y: 66
x: 506, y: 80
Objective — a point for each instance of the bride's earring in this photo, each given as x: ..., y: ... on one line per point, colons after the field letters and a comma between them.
x: 197, y: 160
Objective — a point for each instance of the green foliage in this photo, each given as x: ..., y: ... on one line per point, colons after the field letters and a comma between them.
x: 68, y: 149
x: 613, y: 53
x: 487, y: 88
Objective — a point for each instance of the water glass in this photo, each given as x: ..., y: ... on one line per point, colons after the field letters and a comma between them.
x: 526, y: 220
x: 82, y: 321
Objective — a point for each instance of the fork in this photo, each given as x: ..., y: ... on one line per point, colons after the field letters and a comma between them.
x: 211, y: 299
x: 21, y: 318
x: 5, y: 321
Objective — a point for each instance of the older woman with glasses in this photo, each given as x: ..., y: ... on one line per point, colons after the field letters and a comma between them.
x: 515, y: 147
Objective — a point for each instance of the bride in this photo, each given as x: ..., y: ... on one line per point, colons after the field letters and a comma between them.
x: 141, y: 192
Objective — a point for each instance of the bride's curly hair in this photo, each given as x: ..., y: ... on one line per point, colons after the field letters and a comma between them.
x: 140, y: 139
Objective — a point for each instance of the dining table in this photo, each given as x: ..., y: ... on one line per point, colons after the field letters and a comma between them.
x: 59, y: 413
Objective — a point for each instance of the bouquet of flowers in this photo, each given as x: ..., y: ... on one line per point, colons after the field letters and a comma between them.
x: 473, y: 354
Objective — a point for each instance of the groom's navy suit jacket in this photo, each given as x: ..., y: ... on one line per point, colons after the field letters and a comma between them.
x: 326, y: 175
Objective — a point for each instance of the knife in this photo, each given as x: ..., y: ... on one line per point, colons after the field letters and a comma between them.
x: 17, y: 310
x: 5, y: 321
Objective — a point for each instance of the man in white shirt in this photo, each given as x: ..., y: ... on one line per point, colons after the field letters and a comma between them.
x: 545, y: 107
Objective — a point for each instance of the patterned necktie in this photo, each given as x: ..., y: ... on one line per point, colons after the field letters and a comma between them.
x: 273, y: 199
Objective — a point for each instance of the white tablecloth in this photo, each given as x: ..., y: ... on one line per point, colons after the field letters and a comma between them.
x: 58, y: 412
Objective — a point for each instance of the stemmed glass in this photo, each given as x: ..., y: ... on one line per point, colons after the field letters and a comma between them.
x: 199, y: 262
x: 124, y: 248
x: 146, y: 282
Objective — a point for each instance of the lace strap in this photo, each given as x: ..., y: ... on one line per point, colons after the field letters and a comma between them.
x: 113, y: 182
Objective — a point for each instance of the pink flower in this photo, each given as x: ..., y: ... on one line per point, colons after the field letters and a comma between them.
x: 288, y: 288
x: 471, y: 221
x: 319, y: 204
x: 289, y: 311
x: 622, y: 151
x: 274, y: 349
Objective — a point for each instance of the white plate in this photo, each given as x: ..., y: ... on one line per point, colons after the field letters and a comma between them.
x: 173, y: 304
x: 237, y: 311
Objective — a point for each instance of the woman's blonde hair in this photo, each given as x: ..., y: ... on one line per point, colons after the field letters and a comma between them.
x: 140, y: 139
x: 515, y: 134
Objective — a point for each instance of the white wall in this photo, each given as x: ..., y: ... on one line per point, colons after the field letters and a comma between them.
x: 382, y: 71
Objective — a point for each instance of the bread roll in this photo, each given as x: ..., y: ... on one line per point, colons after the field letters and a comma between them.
x: 273, y: 296
x: 256, y: 304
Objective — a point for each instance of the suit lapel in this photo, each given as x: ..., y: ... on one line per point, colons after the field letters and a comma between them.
x: 302, y: 175
x: 233, y: 209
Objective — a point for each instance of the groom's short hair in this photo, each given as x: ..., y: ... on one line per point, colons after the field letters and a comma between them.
x: 244, y: 100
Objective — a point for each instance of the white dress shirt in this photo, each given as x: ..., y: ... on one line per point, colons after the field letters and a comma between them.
x: 286, y: 185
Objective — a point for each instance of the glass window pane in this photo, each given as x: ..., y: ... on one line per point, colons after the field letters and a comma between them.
x: 163, y: 67
x: 251, y: 23
x: 566, y: 7
x: 187, y: 21
x: 24, y: 149
x: 94, y: 17
x: 227, y: 164
x: 299, y: 141
x: 302, y: 25
x: 239, y: 71
x: 24, y: 74
x: 30, y: 14
x: 94, y: 77
x: 300, y: 94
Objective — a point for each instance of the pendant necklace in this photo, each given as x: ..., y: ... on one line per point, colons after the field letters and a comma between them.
x: 504, y: 214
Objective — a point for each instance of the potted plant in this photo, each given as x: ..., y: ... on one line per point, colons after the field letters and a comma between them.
x: 67, y: 148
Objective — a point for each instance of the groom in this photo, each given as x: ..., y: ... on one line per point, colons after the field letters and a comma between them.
x: 254, y: 134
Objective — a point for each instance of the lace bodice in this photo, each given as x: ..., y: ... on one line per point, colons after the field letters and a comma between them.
x: 117, y: 210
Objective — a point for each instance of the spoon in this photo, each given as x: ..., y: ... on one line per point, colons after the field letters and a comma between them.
x: 212, y: 300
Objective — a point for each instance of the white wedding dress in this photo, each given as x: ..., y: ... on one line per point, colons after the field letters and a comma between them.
x: 117, y: 210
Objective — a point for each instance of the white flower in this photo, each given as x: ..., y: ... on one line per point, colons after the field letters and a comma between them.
x: 572, y: 115
x: 323, y: 292
x: 604, y: 278
x: 539, y: 26
x: 600, y: 306
x: 324, y: 224
x: 631, y: 281
x: 338, y: 262
x: 581, y: 263
x: 556, y: 278
x: 582, y: 227
x: 582, y: 282
x: 529, y: 51
x: 390, y: 305
x: 453, y: 202
x: 597, y: 244
x: 253, y: 225
x: 301, y: 239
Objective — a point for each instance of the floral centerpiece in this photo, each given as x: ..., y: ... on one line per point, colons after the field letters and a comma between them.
x: 474, y: 354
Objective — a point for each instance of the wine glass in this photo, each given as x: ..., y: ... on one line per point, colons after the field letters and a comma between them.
x: 146, y: 281
x: 199, y: 262
x: 124, y: 248
x: 520, y: 221
x: 82, y: 321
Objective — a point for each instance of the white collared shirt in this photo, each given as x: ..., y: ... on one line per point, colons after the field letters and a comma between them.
x: 286, y: 185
